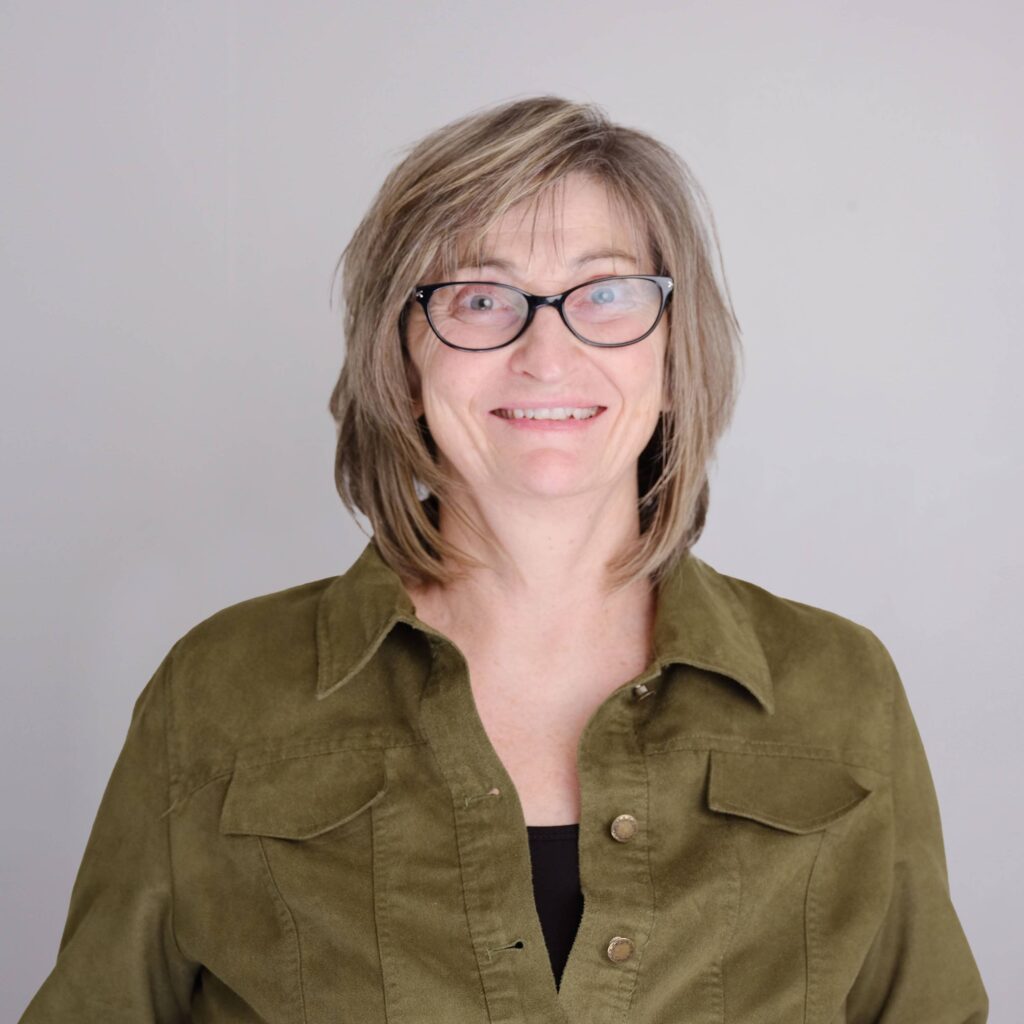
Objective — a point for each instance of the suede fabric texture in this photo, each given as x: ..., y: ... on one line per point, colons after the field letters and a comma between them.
x: 309, y: 824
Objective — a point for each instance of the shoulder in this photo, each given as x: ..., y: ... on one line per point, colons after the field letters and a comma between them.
x: 243, y: 676
x: 782, y: 623
x: 259, y: 630
x: 831, y: 675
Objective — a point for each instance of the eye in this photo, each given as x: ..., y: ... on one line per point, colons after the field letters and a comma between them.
x: 480, y: 298
x: 478, y: 304
x: 603, y: 294
x: 613, y: 292
x: 603, y: 298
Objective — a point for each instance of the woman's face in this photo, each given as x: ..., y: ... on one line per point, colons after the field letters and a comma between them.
x: 573, y: 240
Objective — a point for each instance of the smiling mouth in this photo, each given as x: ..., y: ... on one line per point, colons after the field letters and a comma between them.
x: 554, y: 415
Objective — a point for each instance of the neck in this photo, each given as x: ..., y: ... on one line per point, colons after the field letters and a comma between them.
x: 544, y: 584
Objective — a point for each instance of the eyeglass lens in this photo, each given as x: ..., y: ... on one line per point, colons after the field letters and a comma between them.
x: 485, y: 315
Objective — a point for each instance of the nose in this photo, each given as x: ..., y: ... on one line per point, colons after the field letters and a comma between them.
x: 547, y: 347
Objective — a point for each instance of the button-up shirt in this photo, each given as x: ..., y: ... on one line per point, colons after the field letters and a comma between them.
x: 308, y: 823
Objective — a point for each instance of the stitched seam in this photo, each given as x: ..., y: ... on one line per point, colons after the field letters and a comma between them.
x: 737, y: 877
x: 173, y: 755
x: 891, y: 718
x: 318, y: 753
x: 682, y: 742
x: 776, y: 750
x: 171, y: 772
x: 653, y: 916
x: 227, y: 770
x: 323, y: 650
x: 459, y: 833
x: 291, y: 921
x: 758, y: 747
x: 381, y: 875
x: 810, y: 932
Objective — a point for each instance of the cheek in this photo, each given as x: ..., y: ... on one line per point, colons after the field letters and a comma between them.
x: 449, y: 386
x: 644, y: 378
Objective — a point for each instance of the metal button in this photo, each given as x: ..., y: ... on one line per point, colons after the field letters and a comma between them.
x: 623, y: 828
x: 620, y: 949
x: 641, y: 690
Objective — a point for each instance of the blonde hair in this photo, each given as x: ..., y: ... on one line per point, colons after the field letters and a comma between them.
x: 441, y: 199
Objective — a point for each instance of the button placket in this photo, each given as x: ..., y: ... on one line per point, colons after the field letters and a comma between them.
x: 602, y: 971
x: 509, y: 946
x: 623, y: 829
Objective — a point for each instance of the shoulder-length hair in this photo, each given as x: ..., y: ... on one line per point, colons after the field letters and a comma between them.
x: 433, y: 208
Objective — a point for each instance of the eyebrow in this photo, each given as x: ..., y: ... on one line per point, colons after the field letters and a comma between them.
x: 489, y: 260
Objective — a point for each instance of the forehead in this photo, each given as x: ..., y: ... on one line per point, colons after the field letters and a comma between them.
x: 573, y: 216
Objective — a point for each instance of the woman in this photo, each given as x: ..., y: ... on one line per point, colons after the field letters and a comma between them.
x: 362, y: 798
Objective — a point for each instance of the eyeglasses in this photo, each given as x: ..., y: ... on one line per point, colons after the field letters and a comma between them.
x: 609, y: 312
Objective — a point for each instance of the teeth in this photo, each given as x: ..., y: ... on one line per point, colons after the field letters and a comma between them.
x: 549, y: 414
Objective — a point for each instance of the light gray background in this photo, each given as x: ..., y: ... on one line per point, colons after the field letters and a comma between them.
x: 178, y: 180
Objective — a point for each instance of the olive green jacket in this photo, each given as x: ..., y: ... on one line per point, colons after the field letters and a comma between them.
x: 309, y: 824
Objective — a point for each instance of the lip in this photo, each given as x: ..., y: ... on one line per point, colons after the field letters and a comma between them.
x: 571, y: 402
x: 555, y: 425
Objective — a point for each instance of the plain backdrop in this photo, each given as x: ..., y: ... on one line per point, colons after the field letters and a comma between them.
x: 178, y: 180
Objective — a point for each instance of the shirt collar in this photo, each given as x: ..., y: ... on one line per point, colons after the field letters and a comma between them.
x: 699, y: 621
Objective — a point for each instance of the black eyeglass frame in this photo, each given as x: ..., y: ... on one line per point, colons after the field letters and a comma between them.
x: 423, y: 292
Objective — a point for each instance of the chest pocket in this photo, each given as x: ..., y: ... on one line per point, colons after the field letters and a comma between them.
x: 299, y: 834
x: 301, y: 798
x: 795, y: 794
x: 810, y: 880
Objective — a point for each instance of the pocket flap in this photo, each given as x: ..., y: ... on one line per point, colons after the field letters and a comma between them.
x: 795, y: 794
x: 302, y: 797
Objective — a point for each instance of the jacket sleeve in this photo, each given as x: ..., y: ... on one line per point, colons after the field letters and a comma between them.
x: 919, y: 967
x: 118, y: 961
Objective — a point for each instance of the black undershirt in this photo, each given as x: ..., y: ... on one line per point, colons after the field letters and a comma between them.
x: 554, y: 851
